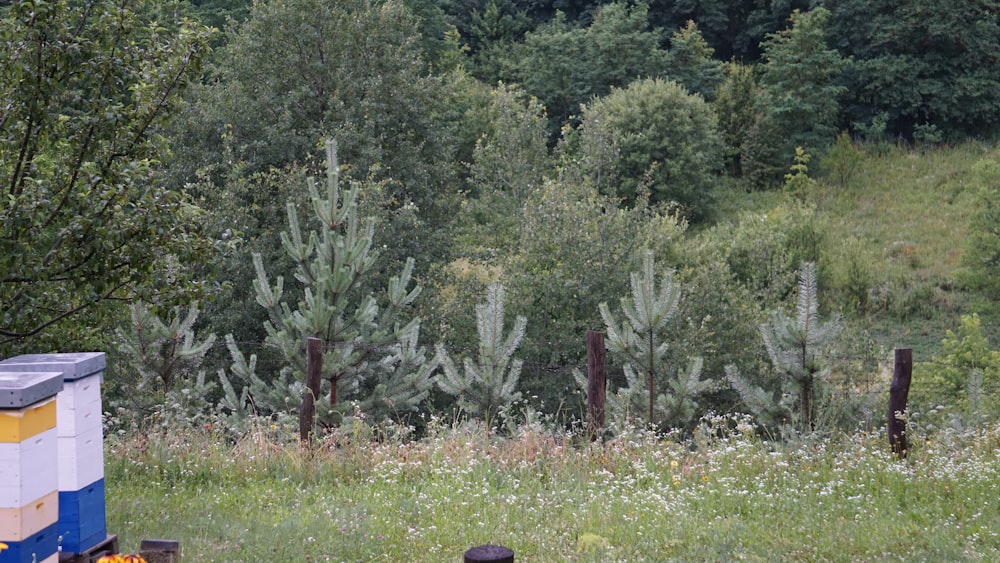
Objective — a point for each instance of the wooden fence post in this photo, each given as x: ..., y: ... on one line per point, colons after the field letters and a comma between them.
x: 597, y: 379
x: 314, y: 368
x: 902, y: 373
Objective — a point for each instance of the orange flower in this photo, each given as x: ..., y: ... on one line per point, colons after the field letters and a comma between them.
x: 119, y: 558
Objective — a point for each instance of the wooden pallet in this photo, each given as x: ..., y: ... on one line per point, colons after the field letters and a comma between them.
x: 106, y: 547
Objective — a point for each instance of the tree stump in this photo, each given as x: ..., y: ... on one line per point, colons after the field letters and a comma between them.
x: 160, y: 551
x: 489, y: 554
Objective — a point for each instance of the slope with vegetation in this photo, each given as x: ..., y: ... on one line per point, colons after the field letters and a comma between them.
x: 494, y: 148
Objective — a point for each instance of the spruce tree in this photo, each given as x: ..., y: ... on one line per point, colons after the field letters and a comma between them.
x: 691, y: 62
x: 661, y: 396
x: 799, y: 75
x: 483, y: 387
x: 370, y: 359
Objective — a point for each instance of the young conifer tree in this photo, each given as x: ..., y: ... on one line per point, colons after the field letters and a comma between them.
x: 793, y: 346
x: 167, y: 356
x: 485, y: 386
x: 370, y: 358
x: 655, y: 393
x: 163, y: 353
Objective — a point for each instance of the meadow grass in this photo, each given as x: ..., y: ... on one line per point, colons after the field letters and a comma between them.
x: 912, y: 206
x: 723, y: 495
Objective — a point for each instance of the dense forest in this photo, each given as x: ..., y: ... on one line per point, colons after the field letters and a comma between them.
x: 449, y: 195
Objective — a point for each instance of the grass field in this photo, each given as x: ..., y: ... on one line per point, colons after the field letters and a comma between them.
x: 723, y: 495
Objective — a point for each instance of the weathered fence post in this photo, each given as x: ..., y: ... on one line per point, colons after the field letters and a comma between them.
x: 597, y: 379
x: 314, y: 367
x: 489, y: 554
x: 898, y: 392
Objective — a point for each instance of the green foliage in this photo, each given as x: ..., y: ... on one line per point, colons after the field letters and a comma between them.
x: 920, y: 65
x: 733, y: 28
x: 982, y: 247
x: 653, y: 135
x: 163, y: 375
x: 842, y: 162
x: 357, y: 334
x: 437, y: 43
x: 959, y: 385
x: 795, y: 348
x: 564, y: 65
x: 297, y: 71
x: 497, y: 22
x: 163, y: 353
x: 799, y: 76
x: 749, y: 134
x: 574, y: 250
x: 765, y: 250
x: 485, y: 386
x: 84, y: 220
x: 510, y: 158
x: 690, y: 62
x: 853, y: 276
x: 655, y: 393
x: 797, y: 180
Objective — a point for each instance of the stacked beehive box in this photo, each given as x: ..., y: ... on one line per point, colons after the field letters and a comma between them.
x: 29, y: 480
x: 82, y: 518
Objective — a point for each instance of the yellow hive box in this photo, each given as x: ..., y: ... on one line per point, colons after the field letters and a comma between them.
x: 21, y: 424
x: 18, y: 524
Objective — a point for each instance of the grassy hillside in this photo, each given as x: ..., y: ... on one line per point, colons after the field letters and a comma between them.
x: 902, y: 213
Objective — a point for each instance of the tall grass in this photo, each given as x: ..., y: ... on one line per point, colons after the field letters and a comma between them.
x: 724, y: 494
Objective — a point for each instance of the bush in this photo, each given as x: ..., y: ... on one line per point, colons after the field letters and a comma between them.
x: 654, y: 134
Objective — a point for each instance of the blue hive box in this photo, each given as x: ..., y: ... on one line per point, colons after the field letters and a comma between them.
x: 82, y: 518
x: 41, y: 547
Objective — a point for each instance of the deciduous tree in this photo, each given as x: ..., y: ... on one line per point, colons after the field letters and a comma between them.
x: 565, y: 65
x: 653, y: 135
x: 83, y: 218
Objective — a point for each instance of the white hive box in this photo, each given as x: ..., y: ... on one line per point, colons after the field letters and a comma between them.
x: 81, y: 459
x: 28, y: 469
x: 73, y: 365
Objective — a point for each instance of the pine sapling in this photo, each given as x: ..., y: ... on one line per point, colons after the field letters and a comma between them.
x: 485, y: 385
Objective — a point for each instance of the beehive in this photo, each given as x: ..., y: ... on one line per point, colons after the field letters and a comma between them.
x: 80, y: 438
x: 29, y: 480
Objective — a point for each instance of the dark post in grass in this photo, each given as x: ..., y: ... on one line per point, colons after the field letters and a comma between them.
x: 597, y: 380
x: 314, y: 367
x: 898, y: 392
x: 489, y: 554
